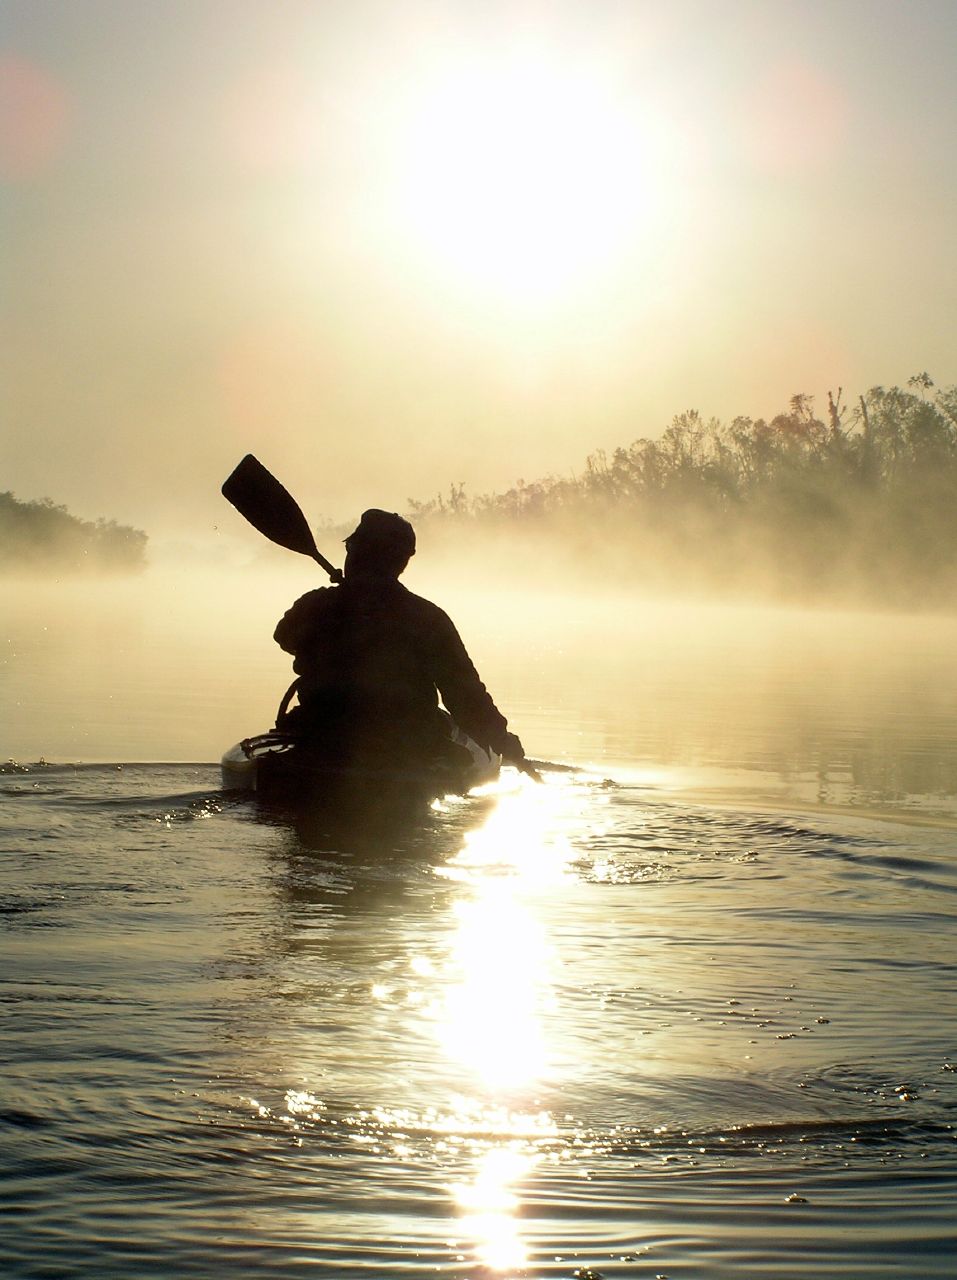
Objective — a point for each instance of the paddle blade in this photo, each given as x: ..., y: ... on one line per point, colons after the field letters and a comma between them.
x: 269, y: 507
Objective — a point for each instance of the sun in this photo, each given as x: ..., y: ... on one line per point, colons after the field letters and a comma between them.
x: 524, y: 176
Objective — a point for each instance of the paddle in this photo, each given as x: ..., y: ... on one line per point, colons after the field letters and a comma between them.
x: 271, y: 508
x: 550, y: 766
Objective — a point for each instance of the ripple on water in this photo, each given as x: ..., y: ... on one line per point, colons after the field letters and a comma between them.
x: 239, y: 1057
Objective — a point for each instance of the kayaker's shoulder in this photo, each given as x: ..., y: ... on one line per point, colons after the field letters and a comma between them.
x: 425, y: 609
x: 318, y: 597
x: 312, y: 604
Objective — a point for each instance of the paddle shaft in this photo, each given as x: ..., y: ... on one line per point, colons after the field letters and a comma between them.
x: 526, y: 767
x: 550, y: 766
x: 334, y: 573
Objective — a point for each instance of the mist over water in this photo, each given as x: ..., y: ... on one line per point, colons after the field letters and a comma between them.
x: 808, y: 704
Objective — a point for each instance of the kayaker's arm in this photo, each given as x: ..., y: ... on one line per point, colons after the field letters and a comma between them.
x: 297, y: 623
x: 465, y: 696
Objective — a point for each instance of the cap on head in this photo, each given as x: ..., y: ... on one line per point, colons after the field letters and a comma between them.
x: 382, y: 538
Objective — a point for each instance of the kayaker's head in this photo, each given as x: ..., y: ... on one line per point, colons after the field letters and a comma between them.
x: 381, y: 545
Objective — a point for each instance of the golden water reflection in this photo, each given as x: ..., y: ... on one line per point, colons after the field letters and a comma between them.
x: 490, y: 1207
x: 500, y: 973
x: 491, y: 1020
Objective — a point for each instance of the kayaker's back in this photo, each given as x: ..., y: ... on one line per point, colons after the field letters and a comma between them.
x: 370, y: 656
x: 373, y: 660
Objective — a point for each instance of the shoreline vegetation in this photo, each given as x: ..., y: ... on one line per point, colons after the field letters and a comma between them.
x: 853, y: 506
x: 857, y: 505
x: 41, y: 537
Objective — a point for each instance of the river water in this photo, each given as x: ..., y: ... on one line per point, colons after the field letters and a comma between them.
x: 690, y: 1012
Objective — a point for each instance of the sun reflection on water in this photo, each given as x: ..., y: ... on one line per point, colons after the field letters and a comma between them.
x: 521, y: 838
x: 491, y: 1019
x: 468, y: 996
x: 490, y: 1206
x: 500, y: 961
x: 500, y: 974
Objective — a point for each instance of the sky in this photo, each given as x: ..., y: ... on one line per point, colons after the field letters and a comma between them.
x: 388, y: 247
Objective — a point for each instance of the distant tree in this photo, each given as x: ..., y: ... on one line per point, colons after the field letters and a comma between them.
x: 41, y: 537
x: 862, y: 502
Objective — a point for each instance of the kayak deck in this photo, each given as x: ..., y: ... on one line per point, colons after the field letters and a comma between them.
x: 275, y: 768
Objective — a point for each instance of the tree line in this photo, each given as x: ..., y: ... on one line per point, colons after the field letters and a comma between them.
x: 859, y: 501
x: 41, y: 537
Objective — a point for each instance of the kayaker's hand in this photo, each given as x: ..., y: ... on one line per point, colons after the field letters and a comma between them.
x: 512, y: 749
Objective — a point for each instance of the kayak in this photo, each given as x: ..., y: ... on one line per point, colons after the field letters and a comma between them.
x: 275, y: 767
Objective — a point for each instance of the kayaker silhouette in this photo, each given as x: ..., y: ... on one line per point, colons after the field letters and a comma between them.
x: 373, y: 660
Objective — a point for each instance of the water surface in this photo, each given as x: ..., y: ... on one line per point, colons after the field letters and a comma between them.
x: 688, y: 1013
